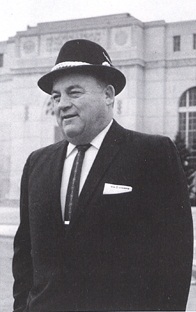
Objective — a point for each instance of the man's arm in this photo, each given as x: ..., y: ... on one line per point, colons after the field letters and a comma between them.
x: 178, y: 236
x: 22, y: 263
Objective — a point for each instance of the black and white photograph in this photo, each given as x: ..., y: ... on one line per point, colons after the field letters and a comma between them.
x: 98, y: 155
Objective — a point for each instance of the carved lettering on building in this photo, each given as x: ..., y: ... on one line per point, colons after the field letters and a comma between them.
x: 52, y: 43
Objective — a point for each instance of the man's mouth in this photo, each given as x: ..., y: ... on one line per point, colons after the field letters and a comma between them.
x: 68, y: 116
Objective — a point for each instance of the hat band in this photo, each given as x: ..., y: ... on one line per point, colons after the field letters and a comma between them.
x: 74, y: 64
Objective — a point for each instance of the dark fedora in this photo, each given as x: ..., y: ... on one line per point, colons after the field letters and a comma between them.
x: 83, y: 56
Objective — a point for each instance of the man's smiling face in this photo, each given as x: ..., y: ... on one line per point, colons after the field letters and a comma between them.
x: 83, y: 106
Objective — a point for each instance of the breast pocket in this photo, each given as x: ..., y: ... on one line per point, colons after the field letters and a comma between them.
x: 117, y: 206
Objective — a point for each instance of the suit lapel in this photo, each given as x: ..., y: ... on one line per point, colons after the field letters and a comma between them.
x: 109, y: 148
x: 56, y: 167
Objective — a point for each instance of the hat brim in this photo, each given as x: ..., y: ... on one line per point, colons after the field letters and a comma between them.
x: 111, y: 75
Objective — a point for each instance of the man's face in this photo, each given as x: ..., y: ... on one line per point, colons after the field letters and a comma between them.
x: 83, y: 106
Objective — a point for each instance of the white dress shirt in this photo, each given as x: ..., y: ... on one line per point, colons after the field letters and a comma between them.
x: 89, y: 158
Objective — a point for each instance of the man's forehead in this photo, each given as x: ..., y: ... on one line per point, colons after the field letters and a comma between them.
x: 75, y: 79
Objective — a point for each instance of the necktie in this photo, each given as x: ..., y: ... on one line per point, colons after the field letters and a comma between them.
x: 74, y: 182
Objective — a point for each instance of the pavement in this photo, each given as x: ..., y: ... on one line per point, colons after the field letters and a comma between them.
x: 9, y: 220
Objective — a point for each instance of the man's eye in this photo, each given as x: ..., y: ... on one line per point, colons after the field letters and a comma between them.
x: 55, y: 99
x: 75, y: 93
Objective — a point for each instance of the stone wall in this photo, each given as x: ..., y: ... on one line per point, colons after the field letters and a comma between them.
x: 156, y: 78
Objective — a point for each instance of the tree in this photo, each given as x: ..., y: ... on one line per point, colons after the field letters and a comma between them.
x: 190, y: 172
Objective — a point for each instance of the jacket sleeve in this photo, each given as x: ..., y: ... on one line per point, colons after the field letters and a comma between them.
x: 178, y: 234
x: 22, y: 263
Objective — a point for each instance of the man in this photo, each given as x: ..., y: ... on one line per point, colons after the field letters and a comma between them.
x: 126, y: 242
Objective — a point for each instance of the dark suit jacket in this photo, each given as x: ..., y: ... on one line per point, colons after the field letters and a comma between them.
x: 130, y: 251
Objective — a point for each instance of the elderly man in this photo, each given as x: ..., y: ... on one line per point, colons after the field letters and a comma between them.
x: 105, y: 218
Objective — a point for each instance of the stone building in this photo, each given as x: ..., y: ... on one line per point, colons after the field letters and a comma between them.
x: 158, y: 59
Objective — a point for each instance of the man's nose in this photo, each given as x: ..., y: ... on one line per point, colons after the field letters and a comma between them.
x: 64, y: 102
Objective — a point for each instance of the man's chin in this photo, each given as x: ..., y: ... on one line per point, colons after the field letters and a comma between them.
x: 72, y: 135
x: 70, y: 130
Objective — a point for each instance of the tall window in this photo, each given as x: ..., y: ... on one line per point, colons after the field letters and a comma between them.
x: 187, y: 120
x: 1, y: 59
x: 176, y: 43
x: 194, y: 41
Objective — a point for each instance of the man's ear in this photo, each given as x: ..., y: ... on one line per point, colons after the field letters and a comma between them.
x: 110, y: 94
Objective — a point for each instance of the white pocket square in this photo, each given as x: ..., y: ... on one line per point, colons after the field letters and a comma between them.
x: 116, y: 189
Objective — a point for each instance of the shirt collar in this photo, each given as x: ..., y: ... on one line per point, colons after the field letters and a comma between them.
x: 96, y: 142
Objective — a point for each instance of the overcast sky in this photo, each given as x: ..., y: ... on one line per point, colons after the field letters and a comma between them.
x: 15, y: 15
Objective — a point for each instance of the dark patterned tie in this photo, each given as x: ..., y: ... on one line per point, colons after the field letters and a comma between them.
x: 74, y: 182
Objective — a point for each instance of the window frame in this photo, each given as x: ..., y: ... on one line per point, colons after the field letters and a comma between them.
x: 177, y: 43
x: 1, y: 60
x: 187, y: 120
x: 194, y: 41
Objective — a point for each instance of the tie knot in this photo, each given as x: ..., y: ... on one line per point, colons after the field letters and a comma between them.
x: 83, y: 148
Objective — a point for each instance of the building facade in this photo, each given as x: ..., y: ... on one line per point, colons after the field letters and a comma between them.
x: 157, y: 58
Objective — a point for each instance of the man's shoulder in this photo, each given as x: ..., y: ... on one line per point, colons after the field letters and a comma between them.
x: 47, y: 151
x: 52, y: 147
x: 141, y: 138
x: 137, y: 136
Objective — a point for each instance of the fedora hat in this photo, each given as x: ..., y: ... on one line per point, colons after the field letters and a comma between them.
x: 83, y: 56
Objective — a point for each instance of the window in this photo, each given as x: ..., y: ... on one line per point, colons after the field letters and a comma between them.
x: 194, y: 41
x: 187, y: 121
x: 1, y: 59
x: 176, y: 43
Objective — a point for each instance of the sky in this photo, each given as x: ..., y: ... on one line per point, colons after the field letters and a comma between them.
x: 16, y: 15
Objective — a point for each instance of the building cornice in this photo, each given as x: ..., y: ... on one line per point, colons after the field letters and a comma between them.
x: 30, y: 70
x: 5, y: 77
x: 171, y: 63
x: 108, y: 21
x: 131, y: 62
x: 153, y: 24
x: 182, y: 62
x: 45, y: 69
x: 117, y: 63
